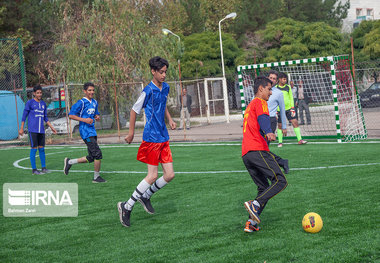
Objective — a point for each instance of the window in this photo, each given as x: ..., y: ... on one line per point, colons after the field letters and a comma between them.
x: 358, y: 11
x: 369, y: 12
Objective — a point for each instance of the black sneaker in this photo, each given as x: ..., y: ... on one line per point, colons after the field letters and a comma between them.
x: 124, y: 214
x: 99, y: 179
x: 147, y: 205
x: 45, y: 171
x: 35, y: 171
x: 66, y: 166
x: 253, y: 210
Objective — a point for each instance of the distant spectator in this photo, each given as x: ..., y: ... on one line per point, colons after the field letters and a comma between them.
x: 302, y: 103
x: 185, y: 109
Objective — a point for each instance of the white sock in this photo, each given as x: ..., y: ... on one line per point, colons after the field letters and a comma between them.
x: 256, y: 203
x: 96, y: 175
x: 253, y: 222
x: 157, y: 185
x: 73, y: 161
x: 140, y: 189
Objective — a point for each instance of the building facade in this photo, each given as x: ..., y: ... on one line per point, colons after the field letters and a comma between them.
x: 360, y: 10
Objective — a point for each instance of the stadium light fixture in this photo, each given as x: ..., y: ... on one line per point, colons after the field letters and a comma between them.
x: 167, y: 32
x: 226, y: 109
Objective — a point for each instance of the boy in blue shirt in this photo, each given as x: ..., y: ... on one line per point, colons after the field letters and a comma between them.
x: 86, y: 112
x: 36, y: 112
x: 154, y: 148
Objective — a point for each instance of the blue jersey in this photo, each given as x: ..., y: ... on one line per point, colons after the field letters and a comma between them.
x: 85, y: 108
x: 155, y: 105
x: 36, y: 114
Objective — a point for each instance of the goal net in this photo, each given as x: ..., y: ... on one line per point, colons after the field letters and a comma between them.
x: 334, y: 107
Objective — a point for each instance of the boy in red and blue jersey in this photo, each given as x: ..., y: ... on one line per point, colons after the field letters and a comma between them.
x: 86, y: 112
x: 36, y: 112
x: 259, y: 161
x: 154, y: 148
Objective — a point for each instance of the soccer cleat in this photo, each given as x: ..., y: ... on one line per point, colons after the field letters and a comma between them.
x: 147, y: 205
x: 66, y: 166
x: 99, y: 179
x: 45, y: 171
x: 124, y: 214
x: 35, y: 171
x: 279, y: 145
x: 253, y: 210
x: 302, y: 142
x: 249, y: 227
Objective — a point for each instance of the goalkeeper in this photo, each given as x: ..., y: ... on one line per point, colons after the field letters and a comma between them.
x: 289, y: 109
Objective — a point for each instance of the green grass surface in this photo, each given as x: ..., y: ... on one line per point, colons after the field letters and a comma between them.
x: 200, y: 216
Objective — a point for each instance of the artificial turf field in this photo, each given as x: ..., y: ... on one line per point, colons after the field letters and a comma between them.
x: 200, y: 215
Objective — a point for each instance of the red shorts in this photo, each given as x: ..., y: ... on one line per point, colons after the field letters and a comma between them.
x: 153, y: 153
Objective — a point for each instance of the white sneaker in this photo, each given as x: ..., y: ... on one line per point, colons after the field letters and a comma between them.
x: 279, y: 145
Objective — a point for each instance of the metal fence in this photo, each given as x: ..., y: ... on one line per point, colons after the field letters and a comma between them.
x: 367, y: 78
x: 116, y: 100
x: 12, y: 87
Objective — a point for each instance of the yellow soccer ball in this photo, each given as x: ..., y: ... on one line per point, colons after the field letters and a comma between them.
x: 312, y: 223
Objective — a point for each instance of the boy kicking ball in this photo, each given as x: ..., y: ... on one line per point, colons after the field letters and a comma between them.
x: 259, y: 161
x: 154, y: 148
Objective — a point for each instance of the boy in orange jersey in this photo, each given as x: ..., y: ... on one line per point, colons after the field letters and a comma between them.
x: 259, y: 161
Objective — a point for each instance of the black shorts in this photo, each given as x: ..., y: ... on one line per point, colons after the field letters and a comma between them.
x: 36, y: 139
x: 288, y: 116
x: 94, y: 152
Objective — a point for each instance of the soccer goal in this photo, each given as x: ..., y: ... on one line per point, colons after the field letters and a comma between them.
x: 333, y: 100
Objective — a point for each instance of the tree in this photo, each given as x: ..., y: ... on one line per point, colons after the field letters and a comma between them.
x: 106, y: 41
x: 254, y: 15
x: 287, y: 39
x: 366, y: 40
x: 202, y: 55
x: 332, y: 12
x: 372, y: 42
x: 215, y: 10
x: 195, y: 17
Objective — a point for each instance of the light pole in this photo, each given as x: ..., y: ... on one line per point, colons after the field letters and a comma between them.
x: 226, y: 107
x: 167, y: 32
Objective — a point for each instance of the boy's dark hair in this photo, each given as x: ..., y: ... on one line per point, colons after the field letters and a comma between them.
x: 260, y: 81
x: 273, y: 72
x: 88, y: 84
x: 157, y: 63
x: 282, y: 75
x: 37, y: 87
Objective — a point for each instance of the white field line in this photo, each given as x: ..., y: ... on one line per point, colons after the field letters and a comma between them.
x: 173, y: 144
x: 17, y: 165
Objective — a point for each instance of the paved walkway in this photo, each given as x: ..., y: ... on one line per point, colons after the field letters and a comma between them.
x: 214, y: 132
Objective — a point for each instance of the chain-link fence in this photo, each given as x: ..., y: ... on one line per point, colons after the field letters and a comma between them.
x: 209, y: 100
x: 12, y: 88
x: 367, y: 77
